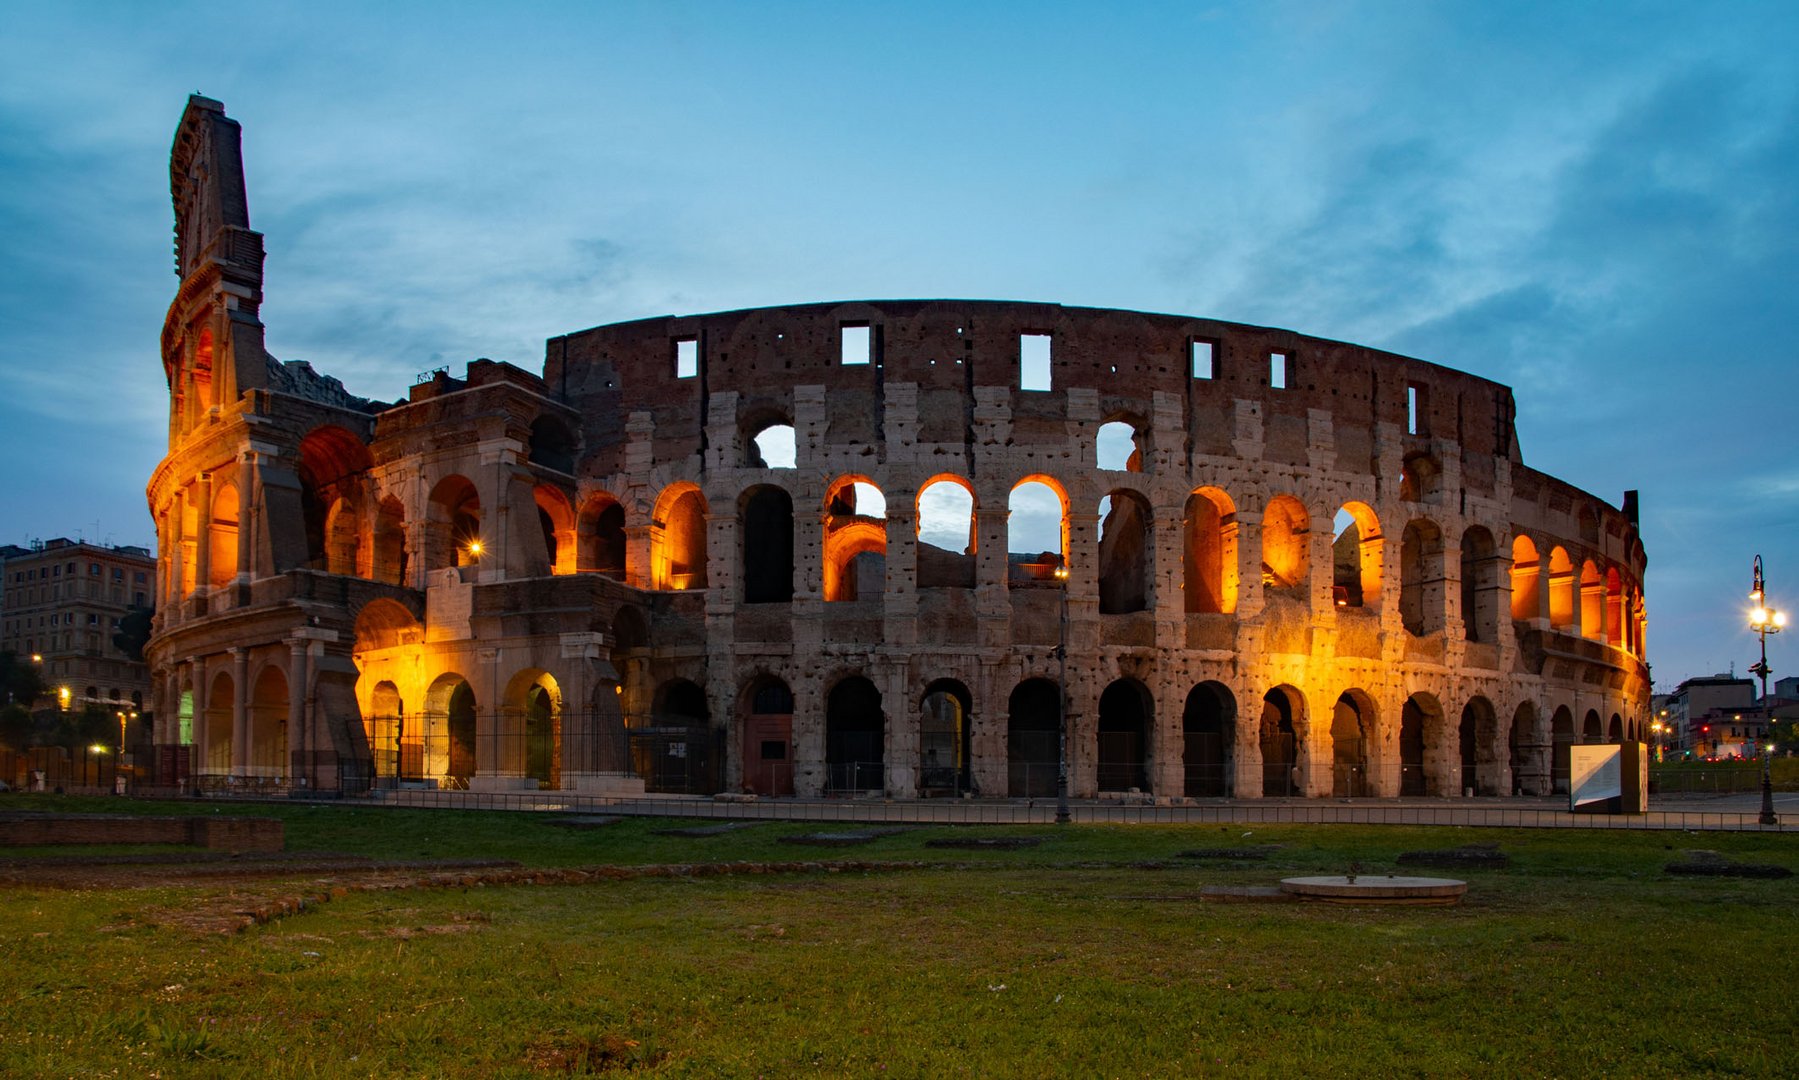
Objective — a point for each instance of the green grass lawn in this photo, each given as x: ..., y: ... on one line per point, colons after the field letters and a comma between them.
x: 1088, y: 955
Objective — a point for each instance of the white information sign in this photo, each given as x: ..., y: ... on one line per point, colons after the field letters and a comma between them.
x: 1595, y: 773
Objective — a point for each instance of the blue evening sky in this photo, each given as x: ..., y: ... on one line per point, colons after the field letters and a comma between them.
x: 1594, y: 203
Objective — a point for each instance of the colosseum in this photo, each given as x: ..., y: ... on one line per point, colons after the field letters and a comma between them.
x: 868, y: 547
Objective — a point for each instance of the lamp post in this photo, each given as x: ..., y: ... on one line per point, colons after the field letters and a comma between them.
x: 1062, y: 704
x: 1764, y: 620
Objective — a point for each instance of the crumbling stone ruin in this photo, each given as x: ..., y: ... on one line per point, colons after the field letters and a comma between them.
x: 856, y: 547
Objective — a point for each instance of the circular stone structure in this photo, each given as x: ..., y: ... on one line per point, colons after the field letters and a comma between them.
x: 866, y: 548
x: 1372, y: 889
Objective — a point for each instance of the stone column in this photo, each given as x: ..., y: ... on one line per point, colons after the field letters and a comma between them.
x: 240, y: 712
x: 298, y: 689
x: 249, y: 514
x: 203, y: 533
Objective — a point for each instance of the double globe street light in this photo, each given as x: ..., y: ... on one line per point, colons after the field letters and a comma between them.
x: 1764, y: 620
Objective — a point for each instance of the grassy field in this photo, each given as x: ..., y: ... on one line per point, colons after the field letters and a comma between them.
x: 1087, y: 955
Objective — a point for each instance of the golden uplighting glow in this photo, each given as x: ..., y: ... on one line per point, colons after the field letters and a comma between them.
x: 63, y: 695
x: 474, y: 549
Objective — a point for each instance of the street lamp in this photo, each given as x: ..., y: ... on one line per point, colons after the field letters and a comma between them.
x: 1062, y: 704
x: 1764, y: 620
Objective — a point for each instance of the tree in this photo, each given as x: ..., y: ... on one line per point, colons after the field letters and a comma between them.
x: 21, y: 683
x: 133, y: 633
x: 17, y: 726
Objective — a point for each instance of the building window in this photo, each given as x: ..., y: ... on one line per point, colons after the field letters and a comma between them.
x: 1280, y: 370
x: 1204, y: 357
x: 1033, y: 361
x: 858, y: 344
x: 1417, y: 404
x: 687, y: 357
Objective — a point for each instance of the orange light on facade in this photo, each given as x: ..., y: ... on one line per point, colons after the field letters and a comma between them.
x: 474, y: 549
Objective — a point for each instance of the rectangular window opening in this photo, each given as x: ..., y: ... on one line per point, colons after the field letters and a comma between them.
x: 1204, y: 358
x: 858, y: 345
x: 1414, y: 409
x: 1033, y: 361
x: 1278, y: 370
x: 687, y: 357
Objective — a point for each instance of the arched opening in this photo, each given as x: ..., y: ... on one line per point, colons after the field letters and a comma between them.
x: 1561, y: 589
x: 1119, y: 447
x: 1352, y: 732
x: 1614, y: 607
x: 854, y: 726
x: 1036, y: 531
x: 1590, y: 729
x: 768, y: 737
x: 855, y: 554
x: 1592, y: 601
x: 674, y: 754
x: 268, y: 725
x: 678, y: 539
x: 1279, y: 738
x: 216, y: 726
x: 1561, y: 737
x: 204, y: 390
x: 1421, y: 596
x: 1422, y: 747
x: 1478, y: 733
x: 1209, y: 554
x: 390, y: 542
x: 767, y: 545
x: 556, y: 524
x: 1480, y: 586
x: 449, y: 731
x: 946, y: 534
x: 772, y: 447
x: 1614, y: 733
x: 1420, y: 478
x: 341, y: 529
x: 1521, y: 744
x: 1527, y: 597
x: 943, y: 739
x: 453, y: 524
x: 600, y: 537
x: 333, y: 464
x: 1126, y: 554
x: 1125, y: 709
x: 553, y: 444
x: 1356, y: 557
x: 1033, y: 723
x: 534, y: 714
x: 389, y: 741
x: 1286, y: 535
x: 222, y: 536
x: 1208, y: 730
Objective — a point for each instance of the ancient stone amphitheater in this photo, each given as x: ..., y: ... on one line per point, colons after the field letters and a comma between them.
x: 858, y: 547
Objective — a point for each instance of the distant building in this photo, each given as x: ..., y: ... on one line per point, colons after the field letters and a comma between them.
x: 1715, y: 716
x: 62, y: 602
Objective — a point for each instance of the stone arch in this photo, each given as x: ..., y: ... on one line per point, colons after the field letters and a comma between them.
x: 1591, y: 729
x: 1480, y: 586
x: 947, y: 538
x: 1209, y: 552
x: 1523, y: 742
x: 855, y: 729
x: 1527, y: 581
x: 1561, y: 737
x: 674, y: 755
x: 384, y: 726
x: 216, y: 726
x: 678, y: 539
x: 453, y: 523
x: 1614, y: 732
x: 944, y: 756
x: 384, y: 623
x: 1126, y: 553
x: 600, y: 536
x: 1028, y: 508
x: 450, y: 730
x: 1126, y: 717
x: 1286, y: 544
x: 1426, y: 757
x: 268, y: 723
x: 389, y: 557
x: 1355, y: 742
x: 769, y: 440
x: 1209, y: 735
x: 556, y: 523
x: 341, y: 534
x: 1614, y: 607
x: 1356, y: 557
x: 1563, y: 614
x: 1592, y: 601
x: 332, y: 461
x: 553, y: 444
x: 1482, y: 767
x: 533, y: 709
x: 766, y: 544
x: 855, y: 548
x: 767, y: 709
x: 1420, y: 477
x: 1421, y: 578
x: 1282, y: 739
x: 1118, y: 446
x: 1033, y: 738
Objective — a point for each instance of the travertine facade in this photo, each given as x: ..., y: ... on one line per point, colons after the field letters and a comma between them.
x: 1323, y: 569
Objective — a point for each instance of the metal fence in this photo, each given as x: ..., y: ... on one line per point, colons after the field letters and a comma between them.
x: 85, y: 770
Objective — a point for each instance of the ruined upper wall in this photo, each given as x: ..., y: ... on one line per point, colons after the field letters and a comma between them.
x: 950, y: 347
x: 206, y: 180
